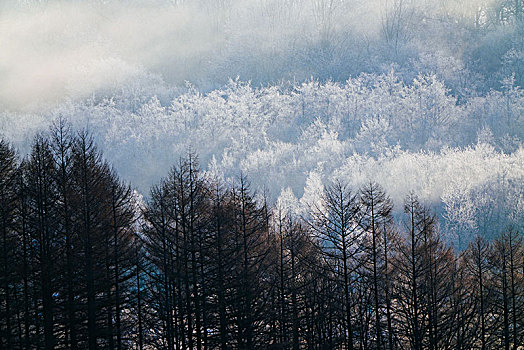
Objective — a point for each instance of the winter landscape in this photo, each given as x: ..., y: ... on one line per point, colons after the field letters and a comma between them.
x: 261, y: 174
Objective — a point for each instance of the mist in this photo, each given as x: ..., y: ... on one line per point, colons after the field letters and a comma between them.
x: 55, y: 51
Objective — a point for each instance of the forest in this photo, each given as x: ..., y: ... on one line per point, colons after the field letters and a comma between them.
x: 203, y: 263
x: 415, y: 95
x: 261, y: 174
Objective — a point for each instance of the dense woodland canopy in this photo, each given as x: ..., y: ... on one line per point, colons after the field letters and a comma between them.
x: 277, y: 174
x: 415, y: 95
x: 208, y: 264
x: 464, y: 159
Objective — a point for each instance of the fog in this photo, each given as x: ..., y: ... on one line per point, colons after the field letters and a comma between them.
x: 54, y: 51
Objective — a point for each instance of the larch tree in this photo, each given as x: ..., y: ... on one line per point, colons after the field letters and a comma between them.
x: 9, y: 243
x: 376, y: 210
x: 337, y: 223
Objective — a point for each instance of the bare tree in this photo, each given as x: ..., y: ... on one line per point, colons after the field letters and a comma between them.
x: 337, y: 223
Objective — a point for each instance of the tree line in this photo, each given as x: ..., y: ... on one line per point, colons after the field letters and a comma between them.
x: 205, y: 263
